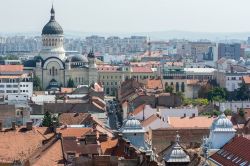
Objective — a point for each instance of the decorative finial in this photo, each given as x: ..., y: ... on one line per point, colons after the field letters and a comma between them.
x: 222, y: 108
x: 177, y: 137
x: 52, y: 12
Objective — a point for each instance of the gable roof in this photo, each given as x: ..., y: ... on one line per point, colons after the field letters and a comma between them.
x: 190, y: 122
x: 138, y: 109
x: 73, y: 132
x: 235, y: 152
x: 139, y: 69
x: 246, y: 79
x: 148, y: 121
x: 73, y: 118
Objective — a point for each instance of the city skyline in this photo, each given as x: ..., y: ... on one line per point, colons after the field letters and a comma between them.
x: 112, y: 16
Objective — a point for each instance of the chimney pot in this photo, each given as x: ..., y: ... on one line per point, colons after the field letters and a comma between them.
x: 13, y: 125
x: 29, y: 125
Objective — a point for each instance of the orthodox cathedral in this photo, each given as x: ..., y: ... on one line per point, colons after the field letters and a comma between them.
x: 54, y: 67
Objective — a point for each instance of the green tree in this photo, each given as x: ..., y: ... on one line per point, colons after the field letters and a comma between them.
x: 71, y: 83
x: 241, y: 112
x: 181, y: 95
x: 169, y: 89
x: 217, y: 94
x: 47, y: 120
x: 216, y: 112
x: 37, y: 83
x: 243, y: 93
x: 228, y: 112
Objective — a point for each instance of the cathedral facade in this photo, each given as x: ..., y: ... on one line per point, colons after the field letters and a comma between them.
x: 54, y: 68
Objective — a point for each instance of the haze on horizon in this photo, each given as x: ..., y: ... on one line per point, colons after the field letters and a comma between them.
x: 127, y: 15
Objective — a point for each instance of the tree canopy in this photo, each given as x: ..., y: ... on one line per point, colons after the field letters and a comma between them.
x: 37, y: 83
x: 71, y: 83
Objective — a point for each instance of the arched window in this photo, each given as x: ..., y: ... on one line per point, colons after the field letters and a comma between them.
x: 182, y: 87
x: 53, y: 71
x: 49, y: 71
x: 177, y: 87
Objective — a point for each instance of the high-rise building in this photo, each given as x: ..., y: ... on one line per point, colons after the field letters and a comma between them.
x: 232, y: 51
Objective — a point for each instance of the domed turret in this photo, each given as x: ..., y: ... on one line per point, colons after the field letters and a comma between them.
x: 132, y: 125
x: 222, y: 123
x: 176, y: 154
x: 52, y: 39
x: 52, y: 27
x: 79, y: 58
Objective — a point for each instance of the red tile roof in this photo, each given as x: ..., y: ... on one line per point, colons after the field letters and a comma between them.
x: 138, y: 109
x: 107, y: 68
x: 148, y: 121
x: 246, y: 79
x: 190, y: 122
x: 73, y: 132
x: 73, y: 118
x: 154, y: 84
x: 11, y: 68
x: 109, y: 146
x: 52, y: 156
x: 234, y: 152
x: 142, y: 70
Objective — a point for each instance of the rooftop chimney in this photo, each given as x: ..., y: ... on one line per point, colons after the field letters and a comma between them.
x: 1, y: 126
x: 29, y: 125
x: 103, y: 137
x: 13, y: 125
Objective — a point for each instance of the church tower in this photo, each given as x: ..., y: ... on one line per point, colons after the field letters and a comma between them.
x: 52, y: 39
x: 93, y: 74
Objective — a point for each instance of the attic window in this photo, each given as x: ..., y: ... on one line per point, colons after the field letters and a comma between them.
x: 235, y: 159
x: 230, y: 156
x: 238, y: 161
x: 244, y: 163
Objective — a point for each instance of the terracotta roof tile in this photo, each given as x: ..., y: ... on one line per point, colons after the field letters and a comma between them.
x: 107, y: 68
x: 52, y: 156
x: 190, y: 122
x: 73, y: 132
x: 73, y: 118
x: 67, y: 90
x: 148, y: 121
x: 246, y: 79
x: 108, y: 146
x: 142, y: 70
x: 154, y: 84
x: 11, y: 68
x: 138, y: 109
x: 19, y: 145
x: 233, y: 151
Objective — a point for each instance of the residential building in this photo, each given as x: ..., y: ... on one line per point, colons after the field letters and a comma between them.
x: 232, y: 51
x: 14, y: 81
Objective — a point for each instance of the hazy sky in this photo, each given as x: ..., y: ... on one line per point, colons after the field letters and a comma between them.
x: 127, y: 15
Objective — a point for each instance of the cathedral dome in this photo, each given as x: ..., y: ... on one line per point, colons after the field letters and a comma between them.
x: 52, y: 27
x: 79, y: 58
